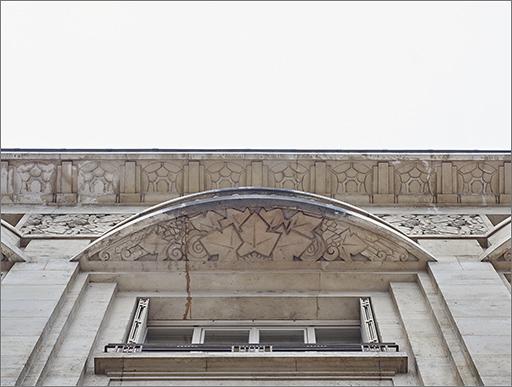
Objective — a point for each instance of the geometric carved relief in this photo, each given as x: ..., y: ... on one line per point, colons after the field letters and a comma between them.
x: 34, y: 177
x: 98, y: 178
x: 477, y: 178
x: 162, y: 177
x: 70, y: 224
x: 254, y: 234
x: 224, y: 175
x: 289, y: 175
x: 456, y: 224
x: 414, y: 178
x: 351, y: 178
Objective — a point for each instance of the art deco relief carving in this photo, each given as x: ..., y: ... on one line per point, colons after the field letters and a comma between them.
x: 477, y: 178
x: 224, y: 175
x: 456, y: 224
x: 35, y: 177
x: 351, y: 178
x: 252, y: 235
x: 289, y: 175
x: 414, y: 178
x: 162, y: 177
x: 96, y: 177
x: 70, y: 224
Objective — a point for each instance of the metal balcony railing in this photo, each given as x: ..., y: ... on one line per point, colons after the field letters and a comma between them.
x: 280, y: 347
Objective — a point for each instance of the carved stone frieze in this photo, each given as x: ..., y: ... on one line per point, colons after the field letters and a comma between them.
x: 414, y: 178
x: 351, y: 178
x: 422, y: 224
x: 35, y: 178
x: 253, y: 234
x: 289, y: 175
x: 392, y: 178
x: 162, y: 177
x: 478, y: 178
x: 98, y: 178
x: 69, y: 224
x: 224, y: 175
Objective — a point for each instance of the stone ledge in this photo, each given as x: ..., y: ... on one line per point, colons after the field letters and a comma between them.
x: 349, y: 363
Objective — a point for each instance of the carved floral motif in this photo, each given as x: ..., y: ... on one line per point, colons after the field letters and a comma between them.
x: 253, y: 234
x: 70, y: 224
x: 438, y: 224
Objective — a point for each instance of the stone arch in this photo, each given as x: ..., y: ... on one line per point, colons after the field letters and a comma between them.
x: 253, y: 228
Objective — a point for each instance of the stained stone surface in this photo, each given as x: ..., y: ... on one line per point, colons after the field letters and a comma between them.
x: 252, y: 226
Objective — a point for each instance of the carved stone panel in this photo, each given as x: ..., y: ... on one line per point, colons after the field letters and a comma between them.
x: 225, y: 174
x: 351, y: 178
x: 422, y: 224
x: 69, y: 224
x: 34, y: 182
x: 162, y: 177
x: 414, y: 178
x: 477, y: 178
x: 289, y: 175
x: 98, y: 181
x: 253, y: 235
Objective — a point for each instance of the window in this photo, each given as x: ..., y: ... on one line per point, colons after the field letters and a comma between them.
x: 225, y: 335
x: 157, y: 344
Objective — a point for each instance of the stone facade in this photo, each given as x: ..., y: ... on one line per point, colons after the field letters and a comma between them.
x: 423, y: 269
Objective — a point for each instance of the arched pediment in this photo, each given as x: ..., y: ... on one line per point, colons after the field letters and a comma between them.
x: 251, y: 228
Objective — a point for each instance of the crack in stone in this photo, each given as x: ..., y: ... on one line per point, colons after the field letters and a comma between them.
x: 188, y: 304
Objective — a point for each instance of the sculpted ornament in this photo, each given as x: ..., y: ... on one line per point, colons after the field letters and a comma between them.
x: 70, y: 224
x: 253, y: 234
x: 422, y: 224
x: 35, y: 178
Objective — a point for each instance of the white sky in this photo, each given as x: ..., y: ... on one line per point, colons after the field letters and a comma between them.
x: 332, y: 75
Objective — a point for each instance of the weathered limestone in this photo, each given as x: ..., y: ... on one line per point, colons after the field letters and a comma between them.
x: 42, y: 359
x: 31, y: 295
x: 68, y: 362
x: 479, y: 305
x: 435, y: 366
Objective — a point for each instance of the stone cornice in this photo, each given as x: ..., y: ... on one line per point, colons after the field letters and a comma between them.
x: 363, y: 178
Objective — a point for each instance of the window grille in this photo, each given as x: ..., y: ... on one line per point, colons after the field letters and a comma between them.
x: 368, y: 329
x: 139, y: 324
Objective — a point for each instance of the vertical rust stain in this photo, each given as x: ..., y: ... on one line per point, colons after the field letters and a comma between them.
x: 188, y: 304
